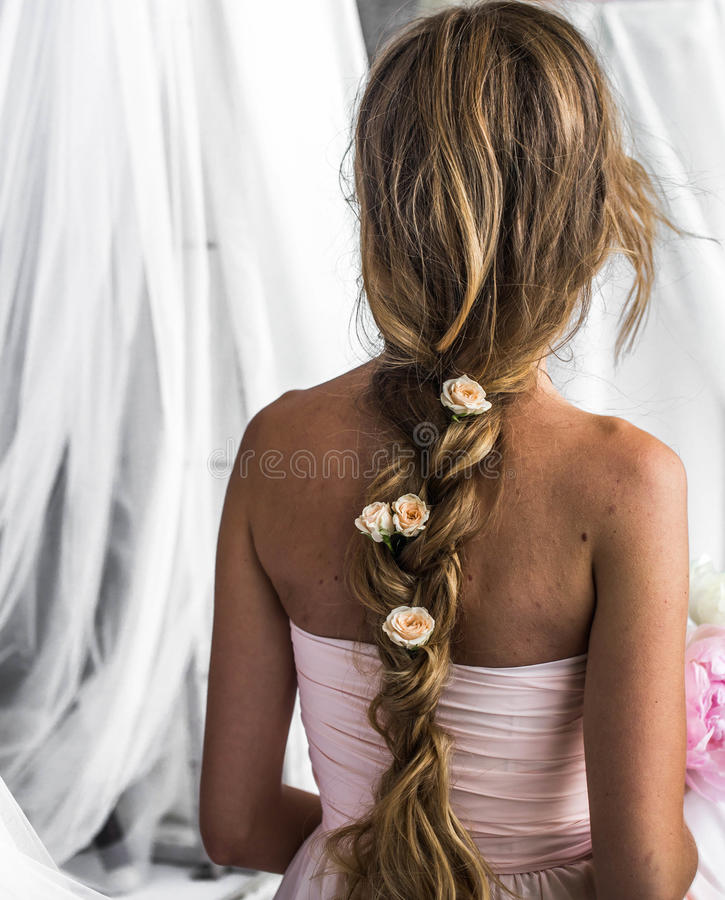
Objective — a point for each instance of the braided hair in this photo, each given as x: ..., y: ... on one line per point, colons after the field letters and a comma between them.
x: 492, y: 185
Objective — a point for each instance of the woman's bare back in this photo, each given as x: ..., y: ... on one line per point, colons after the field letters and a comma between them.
x: 590, y: 554
x: 529, y: 587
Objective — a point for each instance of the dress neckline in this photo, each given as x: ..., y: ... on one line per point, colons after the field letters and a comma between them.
x: 371, y: 649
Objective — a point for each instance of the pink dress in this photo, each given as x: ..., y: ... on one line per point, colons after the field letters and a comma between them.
x: 517, y: 771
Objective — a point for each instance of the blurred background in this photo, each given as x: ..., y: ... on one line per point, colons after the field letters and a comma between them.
x: 175, y: 252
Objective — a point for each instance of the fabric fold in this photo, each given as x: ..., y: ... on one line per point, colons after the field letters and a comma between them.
x: 518, y: 779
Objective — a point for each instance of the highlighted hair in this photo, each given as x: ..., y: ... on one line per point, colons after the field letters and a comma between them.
x: 492, y: 185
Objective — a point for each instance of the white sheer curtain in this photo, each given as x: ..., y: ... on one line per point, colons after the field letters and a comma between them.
x: 175, y: 252
x: 102, y: 277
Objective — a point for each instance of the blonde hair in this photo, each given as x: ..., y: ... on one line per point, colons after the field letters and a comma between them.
x: 492, y: 185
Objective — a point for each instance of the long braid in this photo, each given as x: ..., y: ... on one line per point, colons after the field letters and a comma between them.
x: 492, y: 185
x: 413, y: 844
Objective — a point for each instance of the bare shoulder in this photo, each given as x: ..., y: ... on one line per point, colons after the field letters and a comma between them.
x: 634, y: 453
x: 602, y: 466
x: 309, y: 417
x: 634, y: 477
x: 305, y: 443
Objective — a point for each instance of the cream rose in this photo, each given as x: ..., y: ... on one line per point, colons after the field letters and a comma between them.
x: 464, y: 397
x: 410, y: 514
x: 409, y: 626
x: 376, y: 520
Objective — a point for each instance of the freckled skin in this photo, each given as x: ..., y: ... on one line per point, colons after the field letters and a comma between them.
x: 550, y: 446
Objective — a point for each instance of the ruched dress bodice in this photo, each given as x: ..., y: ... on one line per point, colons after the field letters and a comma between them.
x: 518, y: 779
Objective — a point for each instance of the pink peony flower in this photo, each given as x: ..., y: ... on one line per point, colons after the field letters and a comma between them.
x: 705, y: 691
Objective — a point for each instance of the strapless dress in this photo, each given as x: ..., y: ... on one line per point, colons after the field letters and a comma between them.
x: 518, y: 780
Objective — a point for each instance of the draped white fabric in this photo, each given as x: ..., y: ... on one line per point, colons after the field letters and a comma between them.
x: 176, y: 251
x: 96, y: 524
x: 28, y: 870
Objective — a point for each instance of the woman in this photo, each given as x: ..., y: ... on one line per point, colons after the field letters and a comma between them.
x: 490, y: 654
